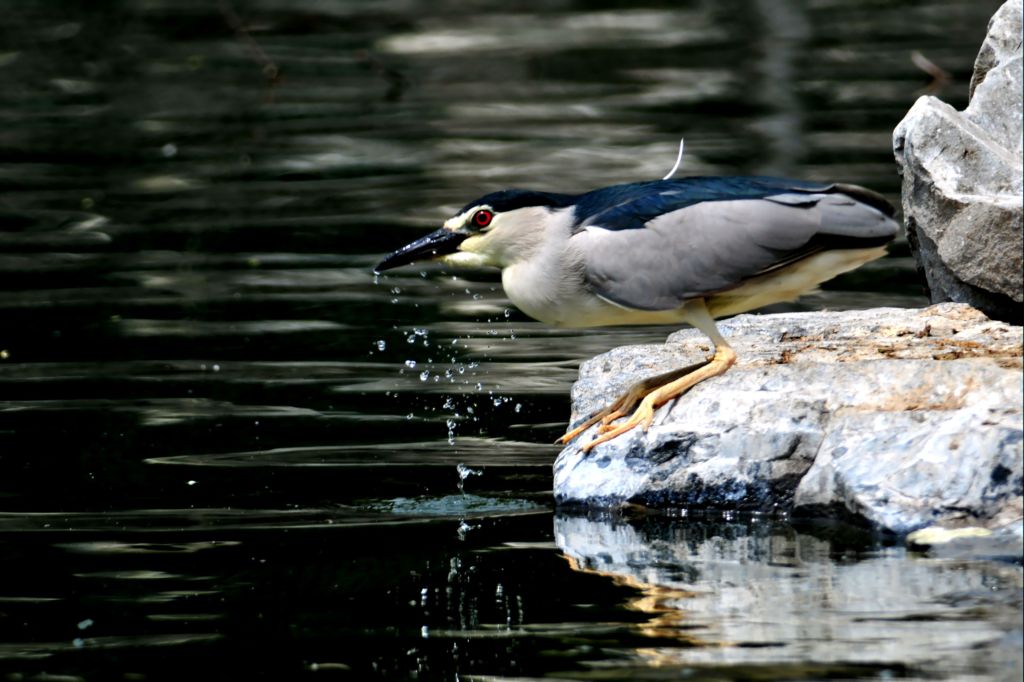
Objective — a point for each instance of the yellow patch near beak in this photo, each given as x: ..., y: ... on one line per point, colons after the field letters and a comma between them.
x: 467, y: 256
x: 472, y: 244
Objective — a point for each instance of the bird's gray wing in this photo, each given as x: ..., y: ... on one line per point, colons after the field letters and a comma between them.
x: 714, y: 246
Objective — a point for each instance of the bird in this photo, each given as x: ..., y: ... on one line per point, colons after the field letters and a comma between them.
x: 670, y: 251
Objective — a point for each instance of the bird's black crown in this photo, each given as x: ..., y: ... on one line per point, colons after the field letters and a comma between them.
x: 511, y: 199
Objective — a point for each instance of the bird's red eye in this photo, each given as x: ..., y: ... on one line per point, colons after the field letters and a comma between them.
x: 482, y: 218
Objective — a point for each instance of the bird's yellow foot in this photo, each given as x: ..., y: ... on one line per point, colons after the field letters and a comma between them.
x: 620, y: 408
x: 658, y: 391
x: 625, y: 402
x: 643, y: 417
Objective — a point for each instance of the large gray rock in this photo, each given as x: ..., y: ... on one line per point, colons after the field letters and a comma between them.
x: 897, y: 418
x: 962, y: 181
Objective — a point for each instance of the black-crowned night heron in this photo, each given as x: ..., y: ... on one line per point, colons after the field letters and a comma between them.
x: 666, y: 251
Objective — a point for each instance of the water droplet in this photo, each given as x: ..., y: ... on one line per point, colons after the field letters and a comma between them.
x: 450, y: 423
x: 410, y: 363
x: 424, y: 375
x: 382, y: 344
x: 519, y: 406
x: 465, y: 472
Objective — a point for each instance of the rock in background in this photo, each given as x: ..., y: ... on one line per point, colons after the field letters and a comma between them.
x: 962, y: 181
x: 896, y: 418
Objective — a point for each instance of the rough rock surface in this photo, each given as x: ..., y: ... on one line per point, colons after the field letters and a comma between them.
x: 898, y: 418
x: 963, y: 177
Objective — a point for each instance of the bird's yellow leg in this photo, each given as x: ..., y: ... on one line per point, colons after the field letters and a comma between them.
x: 622, y: 405
x: 724, y: 358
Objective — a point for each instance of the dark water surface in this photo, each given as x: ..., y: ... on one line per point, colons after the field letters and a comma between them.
x: 228, y: 452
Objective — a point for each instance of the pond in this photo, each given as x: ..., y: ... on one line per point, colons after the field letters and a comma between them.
x: 227, y: 449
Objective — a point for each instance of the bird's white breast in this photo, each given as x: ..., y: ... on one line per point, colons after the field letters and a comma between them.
x: 549, y: 284
x: 561, y: 298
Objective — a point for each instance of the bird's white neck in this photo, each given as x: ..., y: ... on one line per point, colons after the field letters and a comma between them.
x: 544, y: 275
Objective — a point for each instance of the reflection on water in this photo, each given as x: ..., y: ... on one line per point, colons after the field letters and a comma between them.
x: 754, y: 593
x: 225, y: 445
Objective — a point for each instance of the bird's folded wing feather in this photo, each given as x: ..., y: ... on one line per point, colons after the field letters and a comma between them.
x: 713, y: 246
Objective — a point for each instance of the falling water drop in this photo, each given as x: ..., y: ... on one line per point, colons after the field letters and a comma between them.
x: 450, y: 423
x: 464, y: 473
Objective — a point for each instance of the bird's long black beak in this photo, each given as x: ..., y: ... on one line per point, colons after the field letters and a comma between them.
x: 438, y: 243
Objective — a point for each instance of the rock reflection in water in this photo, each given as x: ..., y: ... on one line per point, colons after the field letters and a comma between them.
x: 755, y: 592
